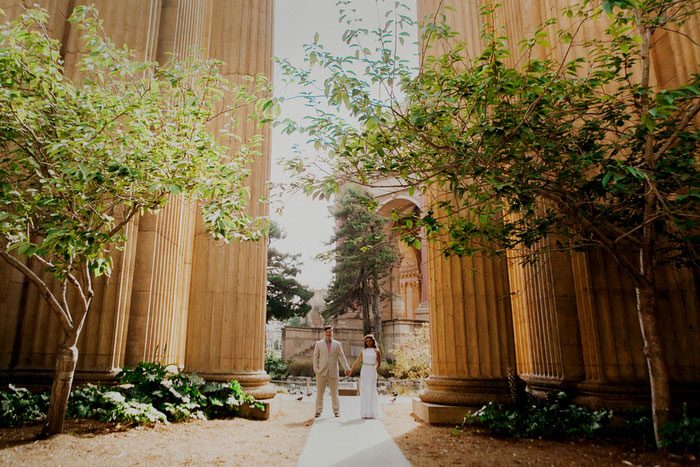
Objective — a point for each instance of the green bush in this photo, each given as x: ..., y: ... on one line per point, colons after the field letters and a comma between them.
x: 386, y: 370
x: 182, y: 396
x: 639, y: 425
x: 301, y: 369
x: 683, y: 434
x: 553, y: 418
x: 19, y: 406
x: 147, y: 393
x: 225, y: 399
x: 275, y: 366
x: 109, y: 405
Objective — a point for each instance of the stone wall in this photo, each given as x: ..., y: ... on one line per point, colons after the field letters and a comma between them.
x: 298, y: 342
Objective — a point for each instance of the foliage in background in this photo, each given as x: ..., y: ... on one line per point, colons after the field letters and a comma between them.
x: 363, y: 258
x: 286, y: 297
x: 553, y: 418
x: 301, y: 369
x: 577, y: 150
x: 275, y: 366
x: 412, y: 355
x: 297, y: 321
x: 18, y: 406
x: 80, y: 158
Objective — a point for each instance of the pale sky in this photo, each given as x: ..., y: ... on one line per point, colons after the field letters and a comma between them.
x: 308, y: 223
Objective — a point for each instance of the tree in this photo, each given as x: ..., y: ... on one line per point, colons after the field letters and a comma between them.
x: 363, y: 258
x: 78, y: 160
x: 286, y: 297
x: 584, y: 148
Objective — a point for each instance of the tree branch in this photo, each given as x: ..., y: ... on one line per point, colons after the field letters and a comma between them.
x: 62, y: 314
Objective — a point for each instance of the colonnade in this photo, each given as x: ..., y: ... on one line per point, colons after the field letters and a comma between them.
x: 570, y: 322
x: 174, y: 295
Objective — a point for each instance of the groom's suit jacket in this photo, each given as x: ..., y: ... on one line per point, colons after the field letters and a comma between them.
x: 326, y: 363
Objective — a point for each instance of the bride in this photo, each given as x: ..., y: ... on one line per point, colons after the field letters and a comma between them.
x: 370, y: 358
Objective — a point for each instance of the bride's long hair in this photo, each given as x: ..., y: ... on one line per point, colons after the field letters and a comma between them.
x: 374, y: 342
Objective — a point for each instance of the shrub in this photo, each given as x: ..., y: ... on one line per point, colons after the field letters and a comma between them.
x: 147, y: 394
x: 184, y: 395
x: 412, y: 355
x: 19, y: 406
x: 682, y: 435
x: 553, y: 418
x: 109, y: 405
x: 225, y: 399
x: 275, y: 366
x: 639, y: 425
x: 386, y: 370
x: 301, y: 369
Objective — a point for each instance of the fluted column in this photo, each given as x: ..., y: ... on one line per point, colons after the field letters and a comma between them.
x: 471, y: 329
x: 615, y: 368
x: 160, y: 297
x: 226, y: 326
x: 36, y: 330
x: 545, y: 320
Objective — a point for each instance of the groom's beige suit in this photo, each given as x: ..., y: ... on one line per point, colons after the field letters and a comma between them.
x: 326, y: 370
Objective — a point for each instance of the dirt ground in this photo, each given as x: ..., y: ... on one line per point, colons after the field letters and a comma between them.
x: 280, y: 440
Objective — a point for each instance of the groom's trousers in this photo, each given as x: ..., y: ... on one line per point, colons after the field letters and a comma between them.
x: 321, y: 382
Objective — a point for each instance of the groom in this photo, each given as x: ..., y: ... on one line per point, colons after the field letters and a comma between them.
x: 326, y: 355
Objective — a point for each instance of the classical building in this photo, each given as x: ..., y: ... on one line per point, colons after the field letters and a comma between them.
x: 404, y: 303
x: 571, y: 323
x: 174, y: 295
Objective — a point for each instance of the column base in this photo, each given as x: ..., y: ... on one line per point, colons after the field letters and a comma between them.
x: 466, y: 391
x: 440, y: 414
x: 256, y: 384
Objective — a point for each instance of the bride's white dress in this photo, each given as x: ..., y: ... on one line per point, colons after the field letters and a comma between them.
x: 369, y: 399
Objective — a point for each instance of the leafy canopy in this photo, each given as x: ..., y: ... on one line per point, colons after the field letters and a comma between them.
x: 510, y: 148
x: 81, y: 155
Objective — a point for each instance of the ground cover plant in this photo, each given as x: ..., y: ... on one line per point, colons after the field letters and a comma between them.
x: 19, y: 406
x: 147, y: 393
x: 557, y: 418
x: 553, y: 418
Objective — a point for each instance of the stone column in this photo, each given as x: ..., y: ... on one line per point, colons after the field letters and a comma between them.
x: 545, y: 320
x: 36, y: 330
x: 471, y: 336
x: 160, y: 303
x: 615, y: 368
x: 226, y: 326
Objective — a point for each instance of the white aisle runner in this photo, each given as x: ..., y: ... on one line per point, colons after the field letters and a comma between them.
x: 349, y: 440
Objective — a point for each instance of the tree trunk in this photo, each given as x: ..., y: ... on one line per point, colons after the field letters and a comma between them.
x: 66, y: 361
x: 366, y: 320
x: 653, y: 351
x: 377, y: 315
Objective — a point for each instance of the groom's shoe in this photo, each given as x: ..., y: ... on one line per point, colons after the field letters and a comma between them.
x: 318, y: 414
x: 337, y: 414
